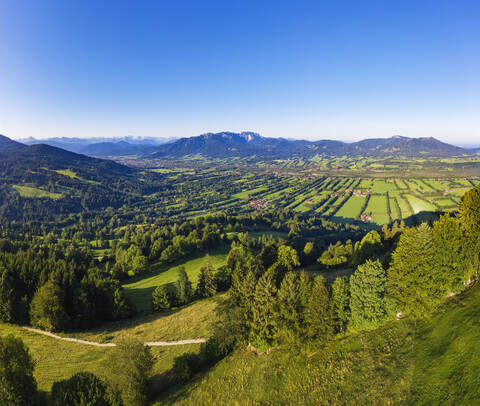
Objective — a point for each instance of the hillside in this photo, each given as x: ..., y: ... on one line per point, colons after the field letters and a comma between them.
x: 434, y: 362
x: 43, y: 181
x: 8, y: 145
x: 252, y: 145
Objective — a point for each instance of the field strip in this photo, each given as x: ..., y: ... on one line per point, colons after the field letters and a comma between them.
x: 148, y: 344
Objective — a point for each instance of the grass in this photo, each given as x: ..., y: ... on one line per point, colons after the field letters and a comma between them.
x: 33, y: 192
x: 57, y: 360
x: 67, y: 172
x: 419, y: 205
x: 140, y: 290
x: 377, y: 205
x: 382, y: 186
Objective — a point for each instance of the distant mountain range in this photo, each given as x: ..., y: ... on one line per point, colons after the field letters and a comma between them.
x: 248, y: 145
x: 102, y: 147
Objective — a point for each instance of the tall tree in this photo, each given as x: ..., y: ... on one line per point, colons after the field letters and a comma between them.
x: 451, y: 265
x: 184, y: 286
x: 319, y: 315
x: 263, y: 323
x: 235, y: 313
x: 367, y: 289
x: 206, y: 282
x: 469, y: 218
x: 413, y: 278
x: 341, y: 300
x: 292, y: 298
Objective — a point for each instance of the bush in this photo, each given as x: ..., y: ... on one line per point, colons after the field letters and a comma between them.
x: 186, y: 365
x: 212, y: 349
x: 129, y: 368
x: 162, y: 298
x: 17, y: 384
x: 82, y: 389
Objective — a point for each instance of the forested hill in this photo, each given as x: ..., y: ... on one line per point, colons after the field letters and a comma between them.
x: 38, y: 181
x: 7, y: 145
x: 249, y: 144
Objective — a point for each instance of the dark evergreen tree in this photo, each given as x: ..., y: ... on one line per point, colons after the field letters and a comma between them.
x: 263, y: 312
x: 206, y: 281
x: 319, y: 315
x: 413, y: 278
x: 184, y: 287
x: 368, y: 303
x: 292, y: 298
x: 341, y: 300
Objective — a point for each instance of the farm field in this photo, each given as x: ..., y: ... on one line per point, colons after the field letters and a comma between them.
x: 340, y: 198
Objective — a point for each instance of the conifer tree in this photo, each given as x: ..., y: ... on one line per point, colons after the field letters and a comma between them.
x: 263, y: 323
x: 319, y: 316
x: 341, y: 300
x: 184, y: 286
x: 367, y: 289
x: 413, y: 278
x: 206, y: 281
x: 235, y: 313
x: 292, y: 298
x: 451, y: 266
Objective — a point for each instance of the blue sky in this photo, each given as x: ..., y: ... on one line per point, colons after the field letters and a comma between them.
x: 299, y: 69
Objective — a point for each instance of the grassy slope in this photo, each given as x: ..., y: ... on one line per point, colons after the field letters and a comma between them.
x: 434, y: 362
x: 33, y: 192
x: 56, y: 360
x: 140, y: 291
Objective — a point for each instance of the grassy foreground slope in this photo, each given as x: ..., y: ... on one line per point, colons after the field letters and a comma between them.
x: 434, y: 362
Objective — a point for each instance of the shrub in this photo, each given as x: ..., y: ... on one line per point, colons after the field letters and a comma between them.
x: 162, y: 298
x: 129, y: 368
x: 186, y: 365
x: 17, y: 384
x: 82, y: 389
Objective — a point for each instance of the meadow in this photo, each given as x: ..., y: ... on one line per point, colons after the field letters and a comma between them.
x: 139, y: 289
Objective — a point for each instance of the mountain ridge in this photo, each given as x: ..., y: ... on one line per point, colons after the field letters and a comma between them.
x: 250, y: 144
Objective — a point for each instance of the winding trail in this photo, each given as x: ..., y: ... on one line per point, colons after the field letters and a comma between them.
x: 95, y: 344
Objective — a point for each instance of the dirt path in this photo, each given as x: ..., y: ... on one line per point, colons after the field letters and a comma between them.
x: 148, y: 344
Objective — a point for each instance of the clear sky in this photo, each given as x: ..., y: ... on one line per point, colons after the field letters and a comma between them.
x: 299, y: 69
